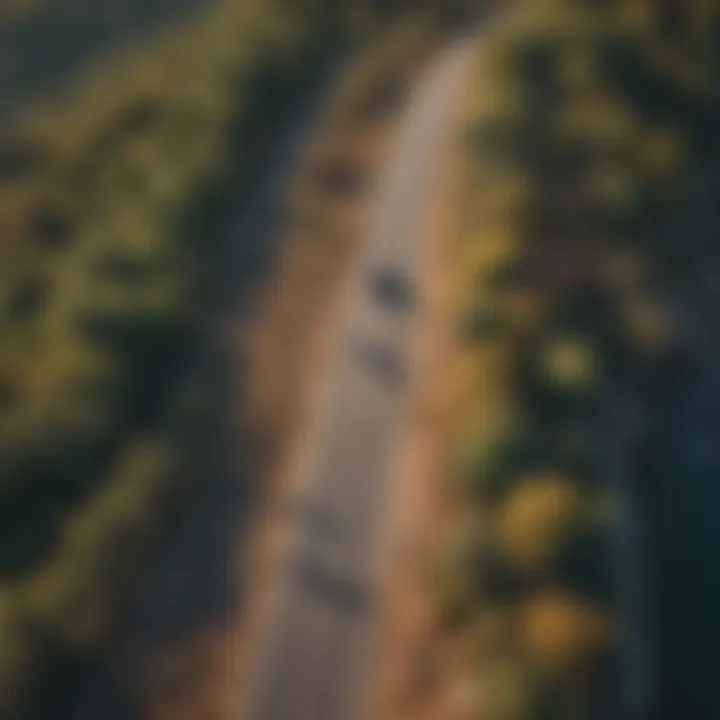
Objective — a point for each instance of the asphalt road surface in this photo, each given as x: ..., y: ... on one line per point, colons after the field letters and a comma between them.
x: 312, y: 652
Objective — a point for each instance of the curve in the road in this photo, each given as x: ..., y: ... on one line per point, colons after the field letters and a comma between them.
x: 310, y: 659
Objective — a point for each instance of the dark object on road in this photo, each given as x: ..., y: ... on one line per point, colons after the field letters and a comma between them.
x: 341, y: 179
x: 384, y: 101
x: 391, y: 288
x: 340, y: 591
x: 382, y: 361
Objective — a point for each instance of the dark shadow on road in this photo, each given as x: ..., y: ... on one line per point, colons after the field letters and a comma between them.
x: 340, y: 592
x: 381, y: 361
x: 392, y: 289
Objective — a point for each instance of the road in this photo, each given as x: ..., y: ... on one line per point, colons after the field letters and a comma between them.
x: 314, y: 646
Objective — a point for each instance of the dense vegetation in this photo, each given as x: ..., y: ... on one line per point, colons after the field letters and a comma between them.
x: 109, y: 199
x: 587, y: 119
x: 42, y: 42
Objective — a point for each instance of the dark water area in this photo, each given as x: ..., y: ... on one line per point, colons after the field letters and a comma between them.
x: 678, y: 487
x: 42, y: 49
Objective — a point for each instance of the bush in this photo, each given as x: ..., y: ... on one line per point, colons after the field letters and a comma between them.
x: 538, y: 522
x: 480, y: 318
x: 559, y: 382
x: 472, y: 572
x: 489, y: 458
x: 565, y: 640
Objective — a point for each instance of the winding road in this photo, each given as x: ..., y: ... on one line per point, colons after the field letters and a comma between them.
x: 312, y: 649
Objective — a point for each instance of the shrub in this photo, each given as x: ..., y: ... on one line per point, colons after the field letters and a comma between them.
x: 538, y: 522
x: 559, y: 382
x: 480, y: 318
x: 490, y: 458
x: 567, y: 641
